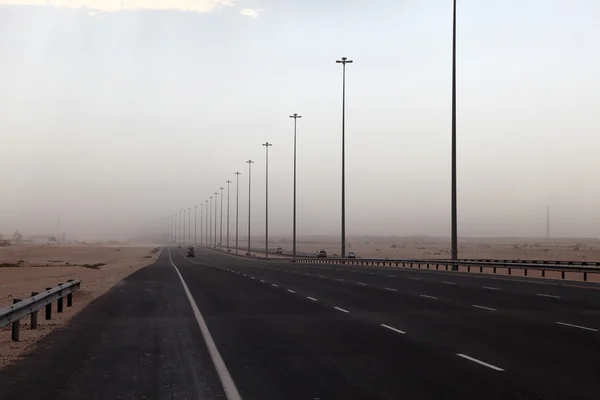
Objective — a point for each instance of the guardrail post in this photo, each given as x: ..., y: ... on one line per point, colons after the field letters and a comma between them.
x: 494, y: 269
x: 525, y: 272
x: 543, y: 273
x: 16, y: 325
x: 70, y: 296
x: 34, y: 314
x: 481, y: 269
x: 48, y: 308
x: 562, y: 274
x: 585, y: 276
x: 59, y: 303
x: 509, y: 271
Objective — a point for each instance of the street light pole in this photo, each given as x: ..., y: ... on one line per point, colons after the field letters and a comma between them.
x: 249, y: 162
x: 237, y: 209
x: 228, y: 182
x: 189, y: 225
x: 180, y: 228
x: 295, y: 116
x: 216, y: 194
x: 201, y: 222
x: 206, y: 235
x: 221, y: 228
x: 183, y: 226
x: 195, y: 225
x: 210, y: 224
x: 454, y: 201
x: 267, y: 145
x: 344, y: 61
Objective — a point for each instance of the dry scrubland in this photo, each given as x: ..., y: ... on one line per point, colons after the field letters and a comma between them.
x: 26, y: 269
x: 433, y: 247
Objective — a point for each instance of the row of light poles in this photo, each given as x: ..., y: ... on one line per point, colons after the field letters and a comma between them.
x: 344, y: 61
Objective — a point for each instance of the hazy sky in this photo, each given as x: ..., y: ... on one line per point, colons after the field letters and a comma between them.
x: 113, y: 113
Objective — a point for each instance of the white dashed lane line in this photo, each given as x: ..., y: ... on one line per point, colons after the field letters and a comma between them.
x: 342, y: 310
x: 291, y: 291
x: 391, y: 289
x: 449, y: 283
x: 428, y: 297
x: 548, y: 295
x: 262, y: 281
x: 274, y: 285
x: 252, y: 277
x: 466, y: 357
x: 391, y: 328
x: 362, y: 283
x: 416, y: 279
x: 578, y: 326
x: 311, y: 298
x: 490, y: 288
x: 485, y: 308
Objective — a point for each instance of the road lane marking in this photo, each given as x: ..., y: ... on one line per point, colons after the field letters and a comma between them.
x: 291, y: 291
x: 429, y: 297
x: 393, y: 329
x: 449, y: 283
x: 252, y: 277
x: 227, y: 382
x: 311, y: 298
x: 491, y: 288
x: 340, y: 280
x: 485, y: 308
x: 274, y: 285
x: 548, y: 295
x: 416, y: 279
x: 479, y: 362
x: 391, y: 289
x: 262, y: 281
x: 342, y: 310
x: 578, y: 326
x: 362, y: 283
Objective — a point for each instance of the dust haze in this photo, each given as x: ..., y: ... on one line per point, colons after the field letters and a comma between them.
x: 112, y: 121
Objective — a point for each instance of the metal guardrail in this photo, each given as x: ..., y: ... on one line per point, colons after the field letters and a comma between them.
x: 22, y: 308
x: 453, y: 265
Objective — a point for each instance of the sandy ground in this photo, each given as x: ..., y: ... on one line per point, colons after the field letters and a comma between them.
x: 47, y: 266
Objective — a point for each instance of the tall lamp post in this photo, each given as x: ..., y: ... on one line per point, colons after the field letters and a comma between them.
x: 295, y: 116
x: 216, y: 194
x: 189, y: 225
x: 249, y: 162
x: 201, y: 222
x: 210, y: 223
x: 228, y: 182
x: 183, y: 226
x: 344, y: 61
x: 221, y: 228
x: 267, y: 145
x: 195, y: 225
x: 454, y: 201
x: 237, y: 209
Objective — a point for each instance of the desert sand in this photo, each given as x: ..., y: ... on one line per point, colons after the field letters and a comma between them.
x: 34, y: 268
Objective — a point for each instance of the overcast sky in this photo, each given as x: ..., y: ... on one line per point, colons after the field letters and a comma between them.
x: 113, y: 113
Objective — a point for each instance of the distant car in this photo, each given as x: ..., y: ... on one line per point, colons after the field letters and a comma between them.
x: 190, y: 252
x: 179, y: 246
x: 322, y: 253
x: 279, y: 250
x: 351, y: 254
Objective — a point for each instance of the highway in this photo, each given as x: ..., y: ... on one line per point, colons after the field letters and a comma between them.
x: 292, y: 331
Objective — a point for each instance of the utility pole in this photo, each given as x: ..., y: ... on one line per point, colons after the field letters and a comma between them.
x: 195, y: 225
x: 216, y: 194
x: 189, y: 225
x: 221, y: 228
x: 210, y: 224
x: 453, y: 157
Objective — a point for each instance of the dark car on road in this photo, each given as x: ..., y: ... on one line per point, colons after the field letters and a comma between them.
x: 321, y: 253
x: 190, y: 252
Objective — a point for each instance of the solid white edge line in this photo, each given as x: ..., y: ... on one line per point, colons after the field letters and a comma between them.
x: 429, y: 297
x: 577, y: 326
x: 393, y: 329
x: 479, y: 362
x: 342, y: 310
x: 548, y: 295
x: 311, y: 298
x: 227, y: 382
x: 485, y: 308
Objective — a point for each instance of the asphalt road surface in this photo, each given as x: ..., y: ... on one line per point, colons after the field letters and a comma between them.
x: 291, y: 331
